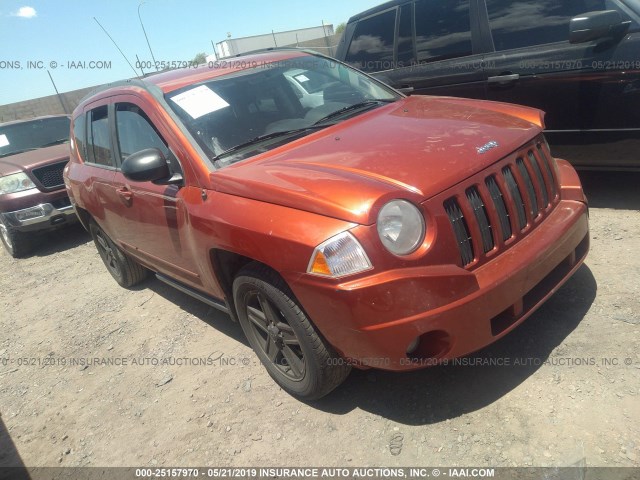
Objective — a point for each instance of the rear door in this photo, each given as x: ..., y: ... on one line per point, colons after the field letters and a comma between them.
x: 99, y: 162
x: 588, y: 90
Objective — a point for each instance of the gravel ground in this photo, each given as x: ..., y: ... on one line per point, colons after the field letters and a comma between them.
x: 568, y: 395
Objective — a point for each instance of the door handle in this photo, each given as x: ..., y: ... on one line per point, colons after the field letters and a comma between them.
x: 504, y: 79
x: 126, y: 195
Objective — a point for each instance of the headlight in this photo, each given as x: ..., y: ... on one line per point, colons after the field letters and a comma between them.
x: 15, y: 183
x: 339, y: 256
x: 401, y: 227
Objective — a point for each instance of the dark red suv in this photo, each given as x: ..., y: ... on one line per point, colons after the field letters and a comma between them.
x: 358, y: 228
x: 33, y: 199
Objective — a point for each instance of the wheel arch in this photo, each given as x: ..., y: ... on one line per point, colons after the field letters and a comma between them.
x: 84, y: 216
x: 226, y: 264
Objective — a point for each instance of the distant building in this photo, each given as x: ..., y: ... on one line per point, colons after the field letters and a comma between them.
x: 236, y: 46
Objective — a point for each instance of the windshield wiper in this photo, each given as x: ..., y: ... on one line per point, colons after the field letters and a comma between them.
x: 268, y: 136
x: 355, y: 106
x: 55, y: 142
x: 18, y: 151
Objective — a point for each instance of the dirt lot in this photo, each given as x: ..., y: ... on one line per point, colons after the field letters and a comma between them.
x: 573, y: 396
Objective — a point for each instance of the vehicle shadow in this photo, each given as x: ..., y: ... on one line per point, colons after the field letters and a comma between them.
x: 443, y: 392
x: 617, y: 190
x: 437, y: 393
x: 11, y: 463
x: 58, y: 241
x: 213, y: 317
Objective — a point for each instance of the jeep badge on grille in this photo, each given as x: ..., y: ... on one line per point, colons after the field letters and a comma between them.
x: 486, y: 147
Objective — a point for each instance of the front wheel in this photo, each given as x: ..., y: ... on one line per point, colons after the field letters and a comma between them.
x: 282, y: 336
x: 17, y: 244
x: 123, y: 269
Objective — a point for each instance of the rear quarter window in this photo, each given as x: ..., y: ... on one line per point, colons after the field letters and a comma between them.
x: 79, y: 136
x: 99, y: 138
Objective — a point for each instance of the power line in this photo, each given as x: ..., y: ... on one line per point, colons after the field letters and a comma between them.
x: 114, y: 42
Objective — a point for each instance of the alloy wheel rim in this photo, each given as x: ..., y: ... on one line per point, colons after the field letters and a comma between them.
x: 5, y: 235
x: 108, y: 254
x: 275, y: 337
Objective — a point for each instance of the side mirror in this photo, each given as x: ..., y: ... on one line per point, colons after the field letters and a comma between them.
x: 149, y: 165
x: 605, y: 25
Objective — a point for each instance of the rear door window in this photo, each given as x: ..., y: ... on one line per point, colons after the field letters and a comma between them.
x: 371, y: 49
x: 443, y: 29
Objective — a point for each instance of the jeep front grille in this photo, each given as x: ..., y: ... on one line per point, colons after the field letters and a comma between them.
x: 50, y: 176
x: 490, y: 212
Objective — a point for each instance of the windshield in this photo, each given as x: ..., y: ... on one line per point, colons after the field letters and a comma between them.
x: 33, y: 134
x: 252, y: 110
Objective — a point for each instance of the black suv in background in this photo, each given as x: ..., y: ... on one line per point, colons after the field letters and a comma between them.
x: 578, y: 60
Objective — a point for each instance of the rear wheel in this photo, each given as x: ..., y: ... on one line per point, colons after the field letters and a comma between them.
x: 18, y: 244
x: 282, y: 336
x: 123, y: 269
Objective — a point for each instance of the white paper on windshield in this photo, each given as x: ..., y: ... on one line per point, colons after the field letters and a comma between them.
x: 200, y: 101
x: 302, y: 78
x: 4, y: 141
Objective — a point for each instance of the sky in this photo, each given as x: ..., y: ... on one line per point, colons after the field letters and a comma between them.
x: 58, y: 35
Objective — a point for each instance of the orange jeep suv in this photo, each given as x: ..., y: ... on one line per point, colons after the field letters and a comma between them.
x: 363, y: 229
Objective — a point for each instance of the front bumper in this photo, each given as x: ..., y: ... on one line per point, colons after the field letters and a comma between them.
x: 40, y: 217
x: 374, y: 320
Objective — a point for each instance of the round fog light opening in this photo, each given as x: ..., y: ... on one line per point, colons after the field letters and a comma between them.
x: 432, y: 345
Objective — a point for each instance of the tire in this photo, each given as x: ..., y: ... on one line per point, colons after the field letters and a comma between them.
x: 123, y: 269
x: 285, y: 341
x: 17, y: 244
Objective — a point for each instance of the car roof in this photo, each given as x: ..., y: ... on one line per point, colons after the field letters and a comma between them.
x: 376, y: 9
x: 161, y: 83
x: 176, y: 79
x: 24, y: 120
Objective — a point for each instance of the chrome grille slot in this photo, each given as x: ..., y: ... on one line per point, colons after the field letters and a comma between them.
x: 461, y: 230
x: 500, y: 206
x: 531, y: 192
x: 480, y: 212
x: 539, y: 178
x: 548, y: 169
x: 516, y: 195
